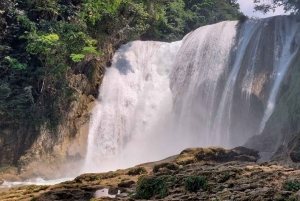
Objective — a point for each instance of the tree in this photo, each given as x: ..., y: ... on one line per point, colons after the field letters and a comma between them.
x: 270, y: 5
x: 92, y: 10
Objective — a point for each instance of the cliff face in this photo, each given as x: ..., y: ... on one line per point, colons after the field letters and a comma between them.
x: 50, y: 148
x: 41, y: 150
x: 13, y: 141
x: 52, y: 154
x: 284, y: 122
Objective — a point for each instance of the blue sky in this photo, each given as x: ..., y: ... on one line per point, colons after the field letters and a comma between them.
x: 246, y: 6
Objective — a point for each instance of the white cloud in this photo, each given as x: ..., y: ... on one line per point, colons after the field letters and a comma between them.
x: 246, y: 6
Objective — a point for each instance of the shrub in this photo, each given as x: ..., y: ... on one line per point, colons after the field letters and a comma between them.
x: 148, y: 187
x: 14, y: 63
x: 280, y: 198
x: 137, y: 171
x: 242, y: 18
x: 87, y: 178
x: 194, y: 183
x: 220, y: 188
x: 292, y: 185
x: 169, y: 166
x: 224, y: 176
x: 293, y: 198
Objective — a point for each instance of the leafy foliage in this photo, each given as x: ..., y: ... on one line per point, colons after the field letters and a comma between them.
x: 92, y: 10
x: 165, y: 20
x: 42, y: 44
x: 292, y: 185
x: 267, y: 6
x: 194, y: 183
x: 174, y: 19
x: 148, y: 187
x: 14, y: 63
x: 77, y: 57
x: 293, y: 198
x: 36, y: 65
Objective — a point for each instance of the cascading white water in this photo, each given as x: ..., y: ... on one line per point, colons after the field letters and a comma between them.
x: 134, y: 93
x: 36, y: 181
x: 202, y: 60
x: 205, y: 105
x: 209, y: 89
x: 221, y: 130
x: 215, y: 110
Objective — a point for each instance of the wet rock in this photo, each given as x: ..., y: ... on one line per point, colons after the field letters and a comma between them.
x: 184, y: 197
x: 122, y: 195
x: 11, y: 177
x: 113, y: 190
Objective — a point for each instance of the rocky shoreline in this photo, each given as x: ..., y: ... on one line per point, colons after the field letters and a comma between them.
x: 195, y: 174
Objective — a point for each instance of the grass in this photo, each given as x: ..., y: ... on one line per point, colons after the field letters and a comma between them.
x: 194, y: 183
x: 137, y: 171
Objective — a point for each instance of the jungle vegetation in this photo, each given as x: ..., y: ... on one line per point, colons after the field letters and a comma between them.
x: 291, y: 6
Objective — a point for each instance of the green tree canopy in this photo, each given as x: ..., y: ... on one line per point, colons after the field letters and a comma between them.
x: 270, y: 5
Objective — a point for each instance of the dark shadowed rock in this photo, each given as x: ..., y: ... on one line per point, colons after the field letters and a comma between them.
x: 289, y: 152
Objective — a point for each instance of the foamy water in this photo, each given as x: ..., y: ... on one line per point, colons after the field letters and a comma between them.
x: 37, y: 181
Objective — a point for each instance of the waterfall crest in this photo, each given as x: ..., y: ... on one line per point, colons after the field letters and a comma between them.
x: 213, y: 88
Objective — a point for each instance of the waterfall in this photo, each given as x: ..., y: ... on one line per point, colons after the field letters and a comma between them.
x: 213, y: 88
x: 202, y: 60
x: 134, y: 93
